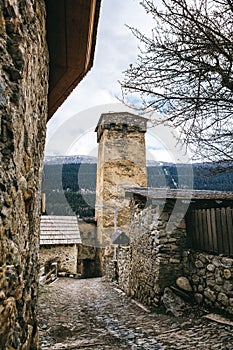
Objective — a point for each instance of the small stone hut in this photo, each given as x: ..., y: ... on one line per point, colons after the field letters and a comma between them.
x: 59, y: 241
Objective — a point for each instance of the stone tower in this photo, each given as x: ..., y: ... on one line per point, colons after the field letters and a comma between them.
x: 121, y: 161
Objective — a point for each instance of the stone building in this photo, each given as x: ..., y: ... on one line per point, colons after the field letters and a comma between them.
x: 47, y: 47
x: 59, y: 242
x: 71, y: 244
x: 121, y: 161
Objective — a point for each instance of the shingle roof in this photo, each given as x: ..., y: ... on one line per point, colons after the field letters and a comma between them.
x: 59, y: 230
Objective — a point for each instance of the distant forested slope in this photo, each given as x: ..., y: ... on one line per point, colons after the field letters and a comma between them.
x: 70, y: 187
x: 199, y: 177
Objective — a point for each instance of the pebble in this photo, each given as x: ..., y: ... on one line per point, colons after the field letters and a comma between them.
x: 92, y: 314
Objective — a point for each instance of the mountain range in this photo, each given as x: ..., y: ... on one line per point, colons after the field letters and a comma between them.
x: 70, y: 181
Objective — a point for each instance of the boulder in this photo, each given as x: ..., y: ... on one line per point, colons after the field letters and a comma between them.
x: 183, y: 283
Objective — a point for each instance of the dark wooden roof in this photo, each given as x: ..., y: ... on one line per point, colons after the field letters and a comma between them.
x: 71, y: 35
x: 59, y: 230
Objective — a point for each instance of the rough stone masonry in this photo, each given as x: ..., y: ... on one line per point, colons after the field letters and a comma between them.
x: 23, y: 112
x: 121, y: 161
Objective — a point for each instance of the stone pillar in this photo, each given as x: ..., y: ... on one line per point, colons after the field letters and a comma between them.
x: 121, y: 161
x: 23, y: 114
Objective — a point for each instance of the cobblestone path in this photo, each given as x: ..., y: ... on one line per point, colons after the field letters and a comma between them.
x: 93, y: 314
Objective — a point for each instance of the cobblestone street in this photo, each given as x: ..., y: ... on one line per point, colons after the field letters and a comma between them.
x: 93, y: 314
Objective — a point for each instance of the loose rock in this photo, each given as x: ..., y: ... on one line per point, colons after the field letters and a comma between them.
x: 183, y: 283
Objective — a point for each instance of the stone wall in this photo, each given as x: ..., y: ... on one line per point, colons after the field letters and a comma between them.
x: 153, y: 259
x: 65, y: 255
x: 156, y: 258
x: 124, y: 267
x: 211, y: 277
x: 23, y: 111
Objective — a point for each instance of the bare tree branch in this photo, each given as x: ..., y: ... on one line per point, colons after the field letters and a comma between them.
x: 184, y: 72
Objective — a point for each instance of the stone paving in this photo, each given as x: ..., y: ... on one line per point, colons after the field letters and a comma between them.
x: 93, y: 314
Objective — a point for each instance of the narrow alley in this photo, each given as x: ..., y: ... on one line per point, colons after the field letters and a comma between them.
x: 93, y: 314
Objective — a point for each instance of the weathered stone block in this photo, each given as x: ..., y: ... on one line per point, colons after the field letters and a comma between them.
x: 210, y: 282
x: 210, y: 267
x: 195, y: 279
x: 222, y: 299
x: 200, y: 288
x: 217, y: 288
x: 227, y: 262
x: 201, y: 272
x: 174, y: 261
x: 183, y: 283
x: 227, y: 286
x: 216, y: 262
x: 198, y: 298
x: 219, y: 281
x: 227, y: 274
x: 199, y: 264
x: 210, y: 295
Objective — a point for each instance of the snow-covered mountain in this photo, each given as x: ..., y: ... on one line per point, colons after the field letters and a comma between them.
x: 51, y: 160
x: 79, y: 159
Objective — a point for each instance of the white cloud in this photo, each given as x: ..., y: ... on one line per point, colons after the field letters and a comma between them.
x: 116, y: 48
x: 65, y: 137
x: 70, y: 130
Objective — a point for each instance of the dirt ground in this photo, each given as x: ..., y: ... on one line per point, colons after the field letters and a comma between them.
x: 94, y: 314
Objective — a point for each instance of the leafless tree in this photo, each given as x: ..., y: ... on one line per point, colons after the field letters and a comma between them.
x: 184, y: 72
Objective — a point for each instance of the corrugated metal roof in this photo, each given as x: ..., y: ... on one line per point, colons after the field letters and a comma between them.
x: 59, y: 230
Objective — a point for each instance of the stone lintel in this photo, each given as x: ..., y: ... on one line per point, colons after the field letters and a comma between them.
x: 120, y: 121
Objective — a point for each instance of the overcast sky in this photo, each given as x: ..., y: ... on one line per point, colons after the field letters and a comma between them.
x: 116, y: 48
x: 71, y: 129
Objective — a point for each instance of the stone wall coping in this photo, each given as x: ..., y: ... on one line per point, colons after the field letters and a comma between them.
x: 167, y: 193
x: 119, y: 121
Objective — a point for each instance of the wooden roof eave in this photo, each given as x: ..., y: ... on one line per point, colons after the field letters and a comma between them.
x: 71, y: 32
